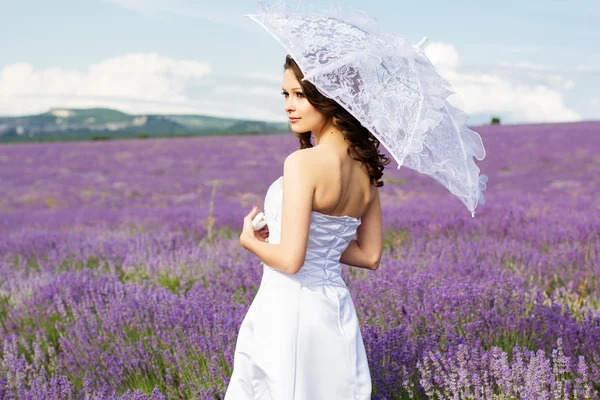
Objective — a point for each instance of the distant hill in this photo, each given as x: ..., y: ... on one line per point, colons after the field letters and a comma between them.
x: 71, y: 123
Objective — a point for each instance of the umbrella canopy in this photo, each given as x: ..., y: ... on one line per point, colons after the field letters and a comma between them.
x: 389, y: 85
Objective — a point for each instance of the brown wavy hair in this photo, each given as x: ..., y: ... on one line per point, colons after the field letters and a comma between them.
x: 359, y: 139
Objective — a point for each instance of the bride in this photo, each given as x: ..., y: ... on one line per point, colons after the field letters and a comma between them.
x: 301, y: 338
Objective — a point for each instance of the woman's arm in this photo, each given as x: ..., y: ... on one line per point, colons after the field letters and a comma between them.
x: 298, y: 191
x: 356, y: 257
x: 270, y: 253
x: 365, y: 251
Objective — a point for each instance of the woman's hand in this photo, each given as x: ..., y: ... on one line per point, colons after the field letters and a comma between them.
x: 248, y: 232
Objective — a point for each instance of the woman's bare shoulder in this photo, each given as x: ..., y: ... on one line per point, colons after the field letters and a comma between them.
x: 306, y: 160
x: 310, y: 161
x: 315, y: 159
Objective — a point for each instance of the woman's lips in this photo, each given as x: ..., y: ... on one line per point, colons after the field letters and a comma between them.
x: 292, y: 120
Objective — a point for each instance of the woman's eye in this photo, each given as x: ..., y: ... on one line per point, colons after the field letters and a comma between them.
x: 298, y: 93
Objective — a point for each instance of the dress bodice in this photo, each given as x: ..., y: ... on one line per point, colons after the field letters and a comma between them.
x: 329, y: 236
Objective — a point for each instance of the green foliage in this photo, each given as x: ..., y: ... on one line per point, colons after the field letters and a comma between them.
x: 57, y: 128
x: 4, y: 308
x: 176, y: 284
x: 135, y: 275
x: 101, y: 137
x: 94, y: 263
x: 393, y: 181
x: 393, y: 239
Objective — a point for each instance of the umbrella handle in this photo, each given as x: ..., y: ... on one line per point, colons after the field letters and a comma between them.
x: 421, y: 43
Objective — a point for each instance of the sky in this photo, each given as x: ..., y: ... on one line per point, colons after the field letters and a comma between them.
x: 525, y: 61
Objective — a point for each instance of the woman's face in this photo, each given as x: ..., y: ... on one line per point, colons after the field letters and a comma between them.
x: 296, y: 105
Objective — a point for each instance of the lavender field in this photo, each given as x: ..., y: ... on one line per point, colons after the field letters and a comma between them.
x: 122, y: 277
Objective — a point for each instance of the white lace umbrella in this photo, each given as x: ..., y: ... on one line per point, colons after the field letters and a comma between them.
x: 387, y: 84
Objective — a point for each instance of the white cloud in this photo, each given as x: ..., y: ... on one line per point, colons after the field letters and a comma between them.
x: 556, y: 81
x: 140, y: 76
x: 136, y: 83
x: 529, y: 66
x: 275, y: 79
x: 255, y: 90
x: 442, y: 55
x: 569, y: 84
x: 498, y: 95
x: 588, y: 68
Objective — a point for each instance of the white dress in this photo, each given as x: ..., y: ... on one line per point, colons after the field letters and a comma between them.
x: 301, y: 339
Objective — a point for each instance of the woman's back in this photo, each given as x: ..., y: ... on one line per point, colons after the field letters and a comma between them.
x: 342, y: 186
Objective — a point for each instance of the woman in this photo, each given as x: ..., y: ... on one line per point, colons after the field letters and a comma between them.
x: 301, y: 336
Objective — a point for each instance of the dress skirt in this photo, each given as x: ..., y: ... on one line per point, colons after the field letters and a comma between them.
x: 300, y: 341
